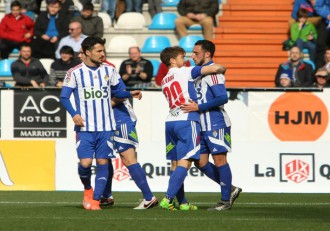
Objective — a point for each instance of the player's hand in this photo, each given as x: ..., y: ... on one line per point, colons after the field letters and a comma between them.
x: 189, y: 107
x: 78, y: 120
x: 136, y: 94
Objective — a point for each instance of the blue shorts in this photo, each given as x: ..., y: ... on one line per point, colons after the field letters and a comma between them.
x: 216, y: 141
x: 96, y: 145
x: 182, y: 140
x: 126, y: 137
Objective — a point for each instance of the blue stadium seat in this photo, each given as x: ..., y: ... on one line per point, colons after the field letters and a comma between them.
x: 15, y: 51
x: 155, y: 44
x: 188, y: 42
x: 163, y: 21
x: 170, y: 2
x: 155, y: 65
x: 5, y: 65
x: 310, y: 62
x: 195, y: 27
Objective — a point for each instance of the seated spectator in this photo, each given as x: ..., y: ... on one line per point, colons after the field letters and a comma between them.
x: 109, y: 6
x: 162, y: 71
x: 133, y: 6
x: 60, y: 66
x: 286, y: 79
x: 68, y: 8
x: 28, y: 71
x: 92, y: 25
x: 303, y: 34
x: 15, y: 29
x: 327, y: 59
x: 50, y: 28
x: 136, y: 69
x: 197, y: 12
x: 74, y: 39
x: 308, y: 5
x: 302, y: 73
x: 322, y: 8
x: 322, y: 78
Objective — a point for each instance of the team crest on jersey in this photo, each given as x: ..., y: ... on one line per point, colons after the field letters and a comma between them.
x: 215, y: 133
x: 95, y: 77
x: 106, y: 77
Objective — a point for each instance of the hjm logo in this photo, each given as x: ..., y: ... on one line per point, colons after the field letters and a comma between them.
x: 120, y: 171
x: 4, y: 176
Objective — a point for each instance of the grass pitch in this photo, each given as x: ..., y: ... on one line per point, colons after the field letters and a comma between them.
x: 20, y: 210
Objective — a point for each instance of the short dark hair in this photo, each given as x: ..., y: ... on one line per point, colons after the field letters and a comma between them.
x: 15, y: 3
x: 88, y: 6
x: 302, y: 13
x: 207, y: 46
x: 90, y: 42
x: 53, y: 2
x: 25, y: 45
x: 171, y: 53
x: 67, y: 50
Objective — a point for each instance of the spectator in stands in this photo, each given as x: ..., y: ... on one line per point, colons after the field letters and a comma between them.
x: 74, y: 39
x: 286, y: 79
x: 322, y: 78
x: 68, y: 8
x: 308, y: 5
x: 162, y: 71
x: 15, y: 29
x: 29, y: 8
x: 136, y: 69
x: 50, y: 27
x: 109, y: 6
x: 28, y: 71
x: 92, y: 25
x: 60, y: 66
x: 154, y: 7
x: 327, y: 59
x: 322, y: 8
x: 304, y: 34
x: 133, y: 6
x: 197, y: 12
x: 302, y: 73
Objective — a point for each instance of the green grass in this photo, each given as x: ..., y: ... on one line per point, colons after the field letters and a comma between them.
x: 63, y: 211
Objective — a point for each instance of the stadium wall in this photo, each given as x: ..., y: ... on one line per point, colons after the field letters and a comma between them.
x: 280, y: 143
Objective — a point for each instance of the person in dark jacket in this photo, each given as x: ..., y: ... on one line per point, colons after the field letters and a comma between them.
x: 28, y: 71
x: 15, y: 29
x: 49, y: 28
x: 92, y: 25
x: 60, y: 66
x: 302, y: 72
x: 197, y: 12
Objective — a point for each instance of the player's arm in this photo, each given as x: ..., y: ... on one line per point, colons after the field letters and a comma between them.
x: 193, y: 106
x: 207, y: 70
x: 65, y: 100
x: 122, y: 94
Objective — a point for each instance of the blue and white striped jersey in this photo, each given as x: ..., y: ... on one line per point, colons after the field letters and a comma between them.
x: 92, y: 94
x: 178, y: 87
x: 208, y: 88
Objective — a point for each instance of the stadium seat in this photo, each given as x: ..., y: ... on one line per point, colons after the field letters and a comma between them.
x: 310, y: 62
x: 121, y: 43
x: 5, y: 66
x: 155, y: 65
x: 130, y: 20
x: 116, y: 61
x: 2, y: 14
x: 195, y: 27
x: 170, y: 2
x: 155, y: 44
x: 106, y: 19
x: 188, y: 42
x: 46, y: 63
x: 163, y: 21
x: 15, y: 51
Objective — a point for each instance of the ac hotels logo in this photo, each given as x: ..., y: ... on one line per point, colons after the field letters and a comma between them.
x: 4, y: 176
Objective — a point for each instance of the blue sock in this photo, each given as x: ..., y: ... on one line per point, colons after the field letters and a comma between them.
x: 225, y: 181
x: 85, y: 176
x: 101, y: 179
x: 211, y: 171
x: 180, y: 196
x: 108, y: 187
x: 140, y: 179
x: 176, y: 181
